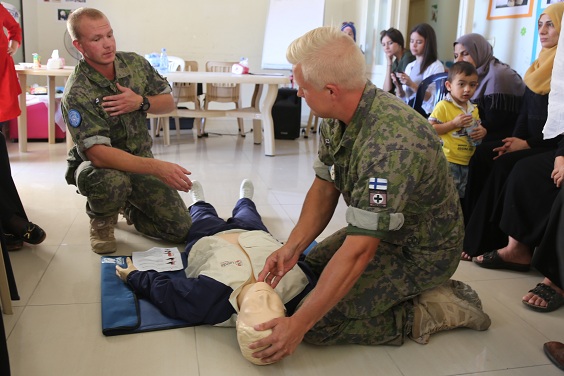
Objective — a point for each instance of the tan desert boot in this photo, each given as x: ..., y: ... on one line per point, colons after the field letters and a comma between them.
x: 451, y: 305
x: 102, y: 238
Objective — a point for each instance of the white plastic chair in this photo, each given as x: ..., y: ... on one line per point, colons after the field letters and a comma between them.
x: 223, y: 93
x: 185, y: 93
x: 174, y: 64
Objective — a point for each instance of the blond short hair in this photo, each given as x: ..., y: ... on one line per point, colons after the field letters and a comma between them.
x: 73, y: 22
x: 326, y: 55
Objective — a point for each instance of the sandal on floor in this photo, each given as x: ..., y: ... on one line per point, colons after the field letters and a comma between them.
x: 492, y: 260
x: 553, y: 299
x: 465, y: 257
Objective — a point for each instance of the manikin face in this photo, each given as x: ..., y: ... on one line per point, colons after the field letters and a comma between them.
x: 416, y: 44
x: 461, y: 54
x: 390, y: 47
x: 96, y: 42
x: 462, y: 88
x: 547, y: 32
x: 260, y: 304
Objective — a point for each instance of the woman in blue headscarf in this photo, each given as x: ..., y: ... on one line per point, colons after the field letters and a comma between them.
x: 349, y: 29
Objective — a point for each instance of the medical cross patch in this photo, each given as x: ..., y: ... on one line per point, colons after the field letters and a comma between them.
x: 378, y: 198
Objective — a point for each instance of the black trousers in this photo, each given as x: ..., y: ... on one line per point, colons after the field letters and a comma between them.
x: 549, y: 255
x: 10, y: 203
x: 483, y: 233
x: 529, y: 197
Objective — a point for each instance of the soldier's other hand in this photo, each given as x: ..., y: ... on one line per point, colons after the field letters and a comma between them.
x: 174, y: 176
x: 123, y: 103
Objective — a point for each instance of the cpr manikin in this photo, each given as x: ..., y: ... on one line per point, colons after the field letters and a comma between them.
x: 258, y: 303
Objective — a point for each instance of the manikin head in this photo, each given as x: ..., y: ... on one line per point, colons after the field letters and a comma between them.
x: 258, y: 303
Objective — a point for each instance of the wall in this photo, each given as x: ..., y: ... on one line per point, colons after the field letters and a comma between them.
x: 227, y: 29
x: 445, y: 22
x: 19, y: 53
x: 512, y: 38
x: 194, y: 30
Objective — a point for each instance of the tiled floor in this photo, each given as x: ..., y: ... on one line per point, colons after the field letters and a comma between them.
x: 56, y: 327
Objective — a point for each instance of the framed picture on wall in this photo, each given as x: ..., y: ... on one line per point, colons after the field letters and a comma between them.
x: 510, y: 9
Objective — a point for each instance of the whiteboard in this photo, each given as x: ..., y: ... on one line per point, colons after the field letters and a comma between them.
x: 286, y: 21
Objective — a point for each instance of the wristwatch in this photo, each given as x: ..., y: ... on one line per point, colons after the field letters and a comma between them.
x: 145, y: 105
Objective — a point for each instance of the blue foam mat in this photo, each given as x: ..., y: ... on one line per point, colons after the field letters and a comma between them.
x: 125, y: 313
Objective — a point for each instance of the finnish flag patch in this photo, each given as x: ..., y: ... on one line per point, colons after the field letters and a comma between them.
x: 378, y: 184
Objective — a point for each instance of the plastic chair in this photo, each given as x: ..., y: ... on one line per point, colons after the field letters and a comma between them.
x: 8, y: 288
x: 174, y: 64
x: 312, y: 124
x: 222, y: 93
x: 438, y: 93
x: 185, y: 93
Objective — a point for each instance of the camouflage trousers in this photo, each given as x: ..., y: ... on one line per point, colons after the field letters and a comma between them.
x: 154, y: 208
x: 378, y: 309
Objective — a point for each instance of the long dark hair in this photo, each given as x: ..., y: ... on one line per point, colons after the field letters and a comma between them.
x: 394, y: 34
x: 430, y: 53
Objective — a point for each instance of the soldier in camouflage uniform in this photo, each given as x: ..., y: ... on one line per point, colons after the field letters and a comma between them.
x: 386, y: 275
x: 104, y: 106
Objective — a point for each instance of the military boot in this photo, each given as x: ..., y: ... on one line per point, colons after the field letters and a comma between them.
x: 452, y: 305
x: 102, y: 237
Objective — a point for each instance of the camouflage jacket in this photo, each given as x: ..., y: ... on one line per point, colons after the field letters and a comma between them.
x: 389, y: 166
x: 87, y: 121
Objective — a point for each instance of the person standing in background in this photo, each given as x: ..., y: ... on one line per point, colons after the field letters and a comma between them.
x: 9, y: 84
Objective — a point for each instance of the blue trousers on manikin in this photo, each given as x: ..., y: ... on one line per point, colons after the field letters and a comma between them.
x: 206, y: 222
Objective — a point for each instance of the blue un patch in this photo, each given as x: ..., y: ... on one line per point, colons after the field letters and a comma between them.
x: 74, y: 118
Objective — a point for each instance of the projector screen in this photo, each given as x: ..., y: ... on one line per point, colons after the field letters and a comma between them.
x: 286, y: 21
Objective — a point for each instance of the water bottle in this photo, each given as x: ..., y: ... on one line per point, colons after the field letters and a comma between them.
x: 471, y: 129
x: 163, y: 61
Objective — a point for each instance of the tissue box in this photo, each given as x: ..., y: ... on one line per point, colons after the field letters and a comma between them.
x: 37, y: 127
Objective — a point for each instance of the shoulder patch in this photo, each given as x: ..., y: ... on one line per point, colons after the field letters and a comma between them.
x: 74, y: 118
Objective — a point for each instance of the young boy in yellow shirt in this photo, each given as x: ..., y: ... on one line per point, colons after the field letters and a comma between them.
x: 457, y: 122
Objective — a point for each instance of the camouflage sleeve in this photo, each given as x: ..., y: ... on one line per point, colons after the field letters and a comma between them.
x: 322, y: 164
x: 86, y: 120
x: 155, y: 84
x: 322, y: 171
x: 376, y: 209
